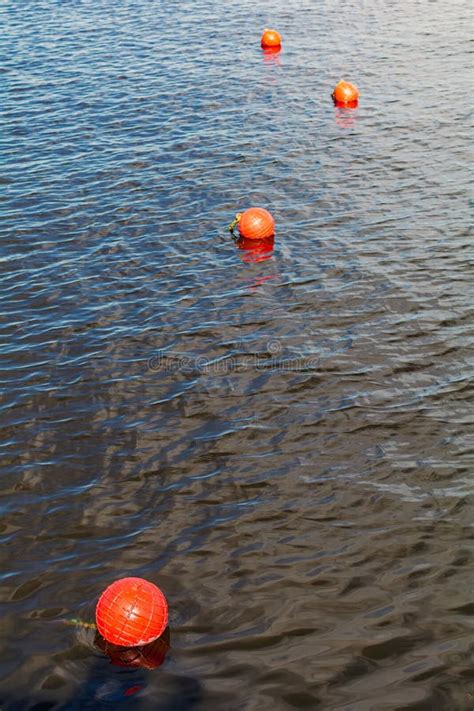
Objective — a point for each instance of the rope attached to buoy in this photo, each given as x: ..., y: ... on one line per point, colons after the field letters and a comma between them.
x: 79, y: 623
x: 234, y: 224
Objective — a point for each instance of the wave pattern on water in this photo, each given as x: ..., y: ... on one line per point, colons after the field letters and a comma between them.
x: 285, y: 446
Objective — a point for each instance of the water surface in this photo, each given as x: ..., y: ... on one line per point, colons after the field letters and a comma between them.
x: 284, y: 445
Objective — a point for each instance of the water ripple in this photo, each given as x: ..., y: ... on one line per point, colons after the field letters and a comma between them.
x: 284, y: 445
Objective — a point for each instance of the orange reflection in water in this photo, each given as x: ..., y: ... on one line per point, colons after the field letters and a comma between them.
x: 148, y: 656
x: 346, y: 115
x: 255, y: 250
x: 271, y: 55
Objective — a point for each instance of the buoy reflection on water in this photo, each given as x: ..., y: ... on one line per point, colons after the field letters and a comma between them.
x: 148, y: 656
x: 256, y: 250
x: 346, y: 116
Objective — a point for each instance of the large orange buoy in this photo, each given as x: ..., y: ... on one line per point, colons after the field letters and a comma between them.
x: 270, y: 38
x: 131, y: 612
x: 256, y: 223
x: 345, y: 94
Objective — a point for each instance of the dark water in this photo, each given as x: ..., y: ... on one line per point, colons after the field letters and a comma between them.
x: 285, y: 446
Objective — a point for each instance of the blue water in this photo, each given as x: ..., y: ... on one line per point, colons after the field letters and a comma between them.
x: 282, y: 442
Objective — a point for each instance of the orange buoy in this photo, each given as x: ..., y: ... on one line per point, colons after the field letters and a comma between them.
x: 256, y: 223
x: 345, y: 94
x: 270, y: 38
x: 131, y: 612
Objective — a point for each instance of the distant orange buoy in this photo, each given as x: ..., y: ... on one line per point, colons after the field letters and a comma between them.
x: 256, y: 223
x: 270, y: 38
x: 345, y: 94
x: 131, y: 612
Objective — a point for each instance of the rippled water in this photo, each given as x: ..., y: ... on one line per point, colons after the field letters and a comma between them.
x: 284, y: 445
